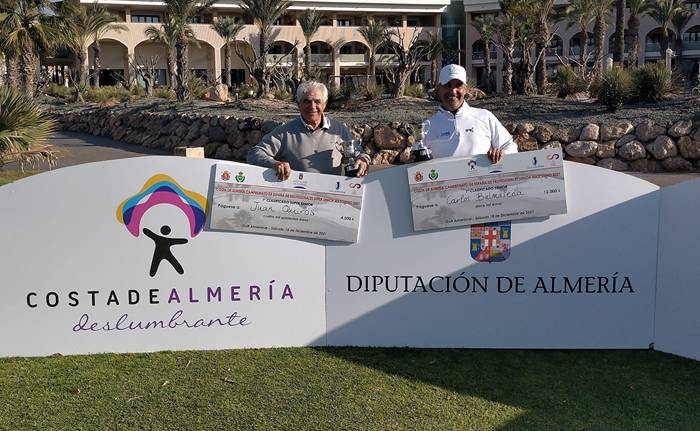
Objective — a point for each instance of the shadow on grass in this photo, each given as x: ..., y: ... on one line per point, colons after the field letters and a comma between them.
x: 558, y: 389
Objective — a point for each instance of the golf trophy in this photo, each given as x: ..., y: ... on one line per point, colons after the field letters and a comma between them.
x: 419, y: 151
x: 351, y: 151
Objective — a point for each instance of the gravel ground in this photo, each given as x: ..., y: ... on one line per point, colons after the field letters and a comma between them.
x: 535, y: 109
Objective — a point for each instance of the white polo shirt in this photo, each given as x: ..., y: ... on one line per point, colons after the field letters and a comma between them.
x: 471, y: 131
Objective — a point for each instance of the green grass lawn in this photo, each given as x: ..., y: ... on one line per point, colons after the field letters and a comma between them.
x: 9, y: 176
x: 353, y: 389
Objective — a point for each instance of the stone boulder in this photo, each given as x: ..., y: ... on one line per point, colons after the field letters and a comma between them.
x: 611, y: 131
x: 590, y: 132
x: 384, y: 157
x: 680, y: 128
x: 567, y: 135
x: 219, y: 93
x: 625, y: 139
x: 647, y: 131
x: 582, y: 149
x: 523, y: 128
x: 217, y: 133
x: 696, y: 135
x: 223, y: 151
x: 552, y: 144
x: 663, y: 147
x: 543, y: 134
x: 526, y: 142
x: 606, y: 150
x: 689, y: 148
x: 584, y: 160
x: 676, y: 164
x: 614, y: 164
x: 632, y: 151
x: 644, y: 165
x: 387, y: 138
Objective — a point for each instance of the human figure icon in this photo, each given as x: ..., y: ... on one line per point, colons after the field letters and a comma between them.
x: 162, y: 250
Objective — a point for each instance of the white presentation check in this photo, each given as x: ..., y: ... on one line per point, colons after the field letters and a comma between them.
x: 308, y: 205
x: 470, y: 190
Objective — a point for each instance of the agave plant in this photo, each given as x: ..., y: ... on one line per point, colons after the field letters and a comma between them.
x: 23, y: 126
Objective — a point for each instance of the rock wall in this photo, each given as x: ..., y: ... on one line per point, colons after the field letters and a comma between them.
x: 622, y: 146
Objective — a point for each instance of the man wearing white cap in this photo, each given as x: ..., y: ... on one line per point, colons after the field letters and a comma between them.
x: 457, y: 129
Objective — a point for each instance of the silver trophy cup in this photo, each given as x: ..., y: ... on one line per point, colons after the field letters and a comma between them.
x: 351, y: 151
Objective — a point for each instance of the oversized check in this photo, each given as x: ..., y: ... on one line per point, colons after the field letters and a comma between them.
x: 308, y: 205
x: 470, y: 190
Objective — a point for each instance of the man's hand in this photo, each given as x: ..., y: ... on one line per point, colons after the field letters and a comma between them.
x: 283, y: 170
x: 362, y: 168
x: 495, y: 154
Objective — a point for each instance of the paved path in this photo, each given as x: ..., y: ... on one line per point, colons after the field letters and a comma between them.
x: 77, y: 148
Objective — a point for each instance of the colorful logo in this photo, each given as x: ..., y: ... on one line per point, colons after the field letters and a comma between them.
x: 471, y: 164
x: 534, y: 161
x: 553, y: 156
x: 433, y: 175
x: 490, y: 242
x: 301, y: 175
x: 240, y: 177
x: 418, y: 177
x: 161, y: 189
x: 355, y: 185
x: 337, y: 185
x: 226, y: 175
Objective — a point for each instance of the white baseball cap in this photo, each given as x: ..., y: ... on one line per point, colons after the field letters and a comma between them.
x: 452, y: 71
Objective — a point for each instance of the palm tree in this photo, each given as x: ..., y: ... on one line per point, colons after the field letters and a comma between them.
x: 179, y: 13
x: 544, y: 10
x: 228, y: 29
x: 433, y: 48
x: 264, y: 13
x: 105, y: 21
x: 80, y: 25
x: 165, y: 34
x: 679, y: 21
x: 663, y: 12
x: 26, y: 29
x: 637, y: 9
x: 486, y: 26
x: 506, y: 39
x: 22, y: 124
x: 619, y: 49
x: 10, y: 57
x: 601, y: 9
x: 310, y: 21
x: 581, y: 12
x: 375, y: 34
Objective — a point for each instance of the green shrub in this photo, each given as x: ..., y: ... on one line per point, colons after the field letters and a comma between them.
x: 137, y: 90
x: 282, y: 94
x: 347, y: 90
x: 115, y: 93
x: 652, y: 82
x: 568, y: 82
x: 164, y: 93
x: 245, y: 91
x: 615, y: 88
x: 374, y: 91
x: 196, y: 87
x: 335, y: 97
x: 415, y: 90
x: 56, y: 90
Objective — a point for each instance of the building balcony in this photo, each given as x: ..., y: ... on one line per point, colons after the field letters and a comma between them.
x: 322, y: 58
x: 353, y: 58
x: 280, y: 59
x: 386, y: 58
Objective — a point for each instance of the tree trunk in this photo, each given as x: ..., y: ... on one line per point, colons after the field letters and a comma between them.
x: 97, y: 64
x: 633, y: 29
x: 619, y: 49
x: 487, y: 70
x: 372, y: 65
x: 227, y: 64
x: 599, y: 33
x: 508, y: 70
x: 307, y: 60
x: 182, y: 68
x: 434, y: 72
x: 27, y: 65
x: 583, y: 54
x: 12, y: 67
x: 83, y: 67
x: 678, y: 47
x: 262, y: 76
x: 541, y: 49
x: 664, y: 41
x: 172, y: 70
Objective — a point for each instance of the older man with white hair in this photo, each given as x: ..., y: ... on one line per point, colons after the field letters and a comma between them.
x: 307, y: 143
